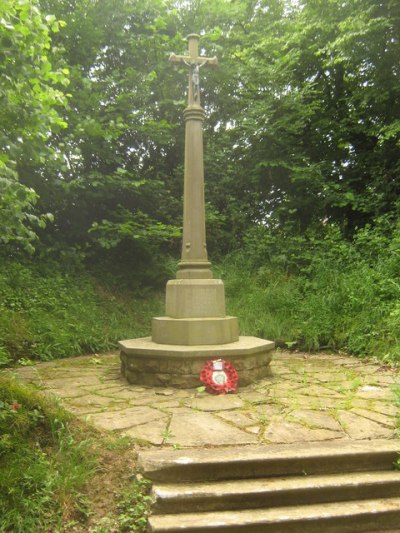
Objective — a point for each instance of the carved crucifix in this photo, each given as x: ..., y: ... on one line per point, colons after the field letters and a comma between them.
x: 194, y: 263
x: 194, y: 62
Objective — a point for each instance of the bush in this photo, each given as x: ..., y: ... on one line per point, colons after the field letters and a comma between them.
x: 43, y: 463
x: 48, y: 311
x: 324, y: 292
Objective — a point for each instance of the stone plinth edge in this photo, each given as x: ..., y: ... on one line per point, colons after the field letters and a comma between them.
x: 148, y: 363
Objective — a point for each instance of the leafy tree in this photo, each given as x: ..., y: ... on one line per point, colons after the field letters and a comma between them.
x: 29, y: 97
x: 318, y: 136
x: 302, y: 119
x: 114, y: 189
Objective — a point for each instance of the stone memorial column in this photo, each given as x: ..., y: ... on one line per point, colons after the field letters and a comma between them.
x: 195, y: 328
x: 195, y: 303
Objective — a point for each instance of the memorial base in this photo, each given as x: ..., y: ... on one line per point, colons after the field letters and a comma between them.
x: 164, y: 365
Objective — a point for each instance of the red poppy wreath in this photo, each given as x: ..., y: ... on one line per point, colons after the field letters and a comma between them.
x: 219, y: 376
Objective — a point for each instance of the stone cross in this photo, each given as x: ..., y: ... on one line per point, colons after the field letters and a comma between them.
x: 195, y: 327
x: 194, y: 262
x: 194, y: 62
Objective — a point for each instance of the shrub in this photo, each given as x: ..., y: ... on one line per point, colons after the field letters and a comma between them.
x: 43, y: 463
x: 48, y: 311
x: 323, y: 292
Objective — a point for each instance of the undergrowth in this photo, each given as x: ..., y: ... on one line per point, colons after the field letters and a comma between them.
x: 131, y: 510
x: 48, y: 311
x: 59, y: 475
x: 310, y: 292
x: 43, y: 461
x: 319, y: 293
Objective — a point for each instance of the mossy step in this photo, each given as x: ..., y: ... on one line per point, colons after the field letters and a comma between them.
x: 344, y: 517
x: 274, y: 492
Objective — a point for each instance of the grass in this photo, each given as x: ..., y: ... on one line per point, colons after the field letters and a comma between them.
x: 302, y: 292
x: 59, y: 475
x: 48, y: 312
x: 133, y: 506
x: 315, y: 294
x: 43, y: 462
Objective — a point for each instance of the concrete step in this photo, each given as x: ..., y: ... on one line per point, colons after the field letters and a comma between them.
x: 339, y: 487
x: 249, y: 462
x: 274, y: 492
x: 345, y: 517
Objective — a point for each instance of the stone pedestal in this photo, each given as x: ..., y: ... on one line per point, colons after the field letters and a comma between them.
x: 195, y: 298
x: 194, y: 331
x: 195, y: 311
x: 148, y: 363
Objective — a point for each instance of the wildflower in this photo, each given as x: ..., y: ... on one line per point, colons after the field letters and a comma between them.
x: 15, y: 406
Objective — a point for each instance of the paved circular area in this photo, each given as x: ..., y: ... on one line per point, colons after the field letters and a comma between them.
x: 306, y: 398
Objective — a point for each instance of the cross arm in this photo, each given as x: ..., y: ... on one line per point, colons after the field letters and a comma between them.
x: 211, y: 61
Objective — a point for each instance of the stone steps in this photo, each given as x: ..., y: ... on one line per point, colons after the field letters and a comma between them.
x: 248, y: 462
x: 335, y: 487
x: 342, y: 517
x: 278, y: 492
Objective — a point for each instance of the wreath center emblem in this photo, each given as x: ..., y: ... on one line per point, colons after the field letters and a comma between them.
x: 219, y: 376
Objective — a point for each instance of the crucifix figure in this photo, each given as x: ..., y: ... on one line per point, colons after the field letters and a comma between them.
x: 196, y: 81
x: 194, y: 62
x: 194, y: 262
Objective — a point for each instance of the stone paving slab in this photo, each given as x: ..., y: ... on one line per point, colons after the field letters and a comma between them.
x: 307, y: 398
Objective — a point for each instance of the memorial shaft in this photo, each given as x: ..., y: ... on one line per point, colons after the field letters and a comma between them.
x: 194, y: 260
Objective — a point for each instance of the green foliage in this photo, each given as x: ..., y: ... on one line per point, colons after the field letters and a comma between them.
x: 43, y: 463
x: 134, y: 506
x: 316, y: 293
x: 302, y: 121
x: 301, y: 139
x: 135, y: 227
x: 397, y: 395
x: 17, y: 217
x: 116, y: 183
x: 29, y: 95
x: 28, y: 86
x: 48, y: 311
